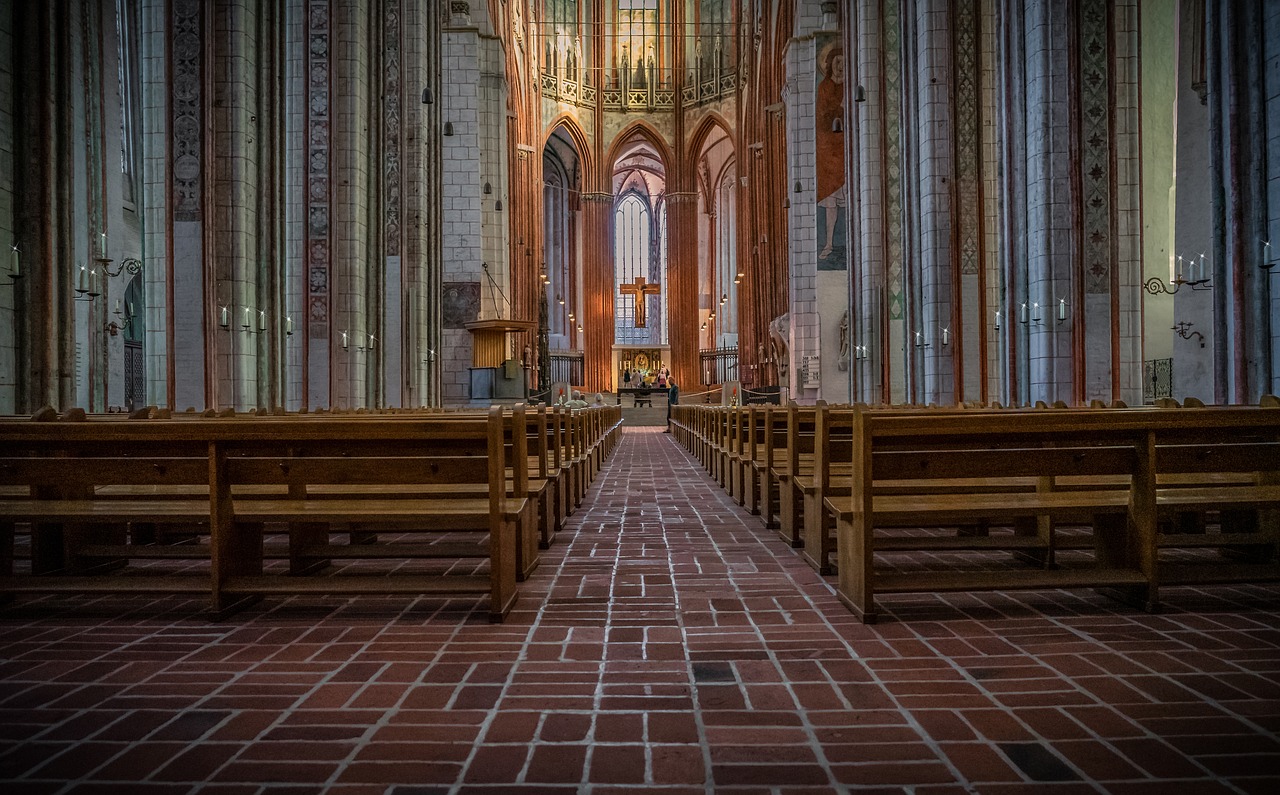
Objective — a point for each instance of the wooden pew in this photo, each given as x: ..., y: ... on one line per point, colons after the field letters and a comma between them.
x: 281, y: 453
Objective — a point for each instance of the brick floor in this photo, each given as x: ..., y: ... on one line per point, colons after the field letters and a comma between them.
x: 668, y: 643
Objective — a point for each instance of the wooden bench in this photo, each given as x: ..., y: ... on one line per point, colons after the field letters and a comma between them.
x: 905, y: 448
x: 426, y: 460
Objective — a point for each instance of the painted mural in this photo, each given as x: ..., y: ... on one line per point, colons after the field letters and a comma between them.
x: 833, y: 192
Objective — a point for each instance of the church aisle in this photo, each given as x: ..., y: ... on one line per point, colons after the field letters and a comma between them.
x: 667, y: 643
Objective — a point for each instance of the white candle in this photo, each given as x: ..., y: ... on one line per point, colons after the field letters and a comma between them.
x: 344, y: 340
x: 1202, y: 276
x: 225, y: 318
x: 117, y: 306
x: 104, y: 246
x: 1062, y: 309
x: 93, y: 282
x: 1266, y: 252
x: 83, y: 281
x: 946, y: 336
x: 288, y: 325
x: 1023, y: 316
x: 1180, y: 271
x: 370, y: 342
x: 997, y: 320
x: 262, y: 321
x: 128, y: 308
x: 1035, y: 312
x: 248, y: 317
x: 1172, y: 274
x: 919, y: 342
x: 16, y: 271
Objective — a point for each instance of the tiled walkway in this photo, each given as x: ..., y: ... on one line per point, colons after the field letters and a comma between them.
x: 667, y: 644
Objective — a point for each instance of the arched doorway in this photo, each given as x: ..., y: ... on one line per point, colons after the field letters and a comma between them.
x: 562, y: 361
x: 639, y: 236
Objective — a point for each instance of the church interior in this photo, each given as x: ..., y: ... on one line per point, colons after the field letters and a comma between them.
x: 896, y: 381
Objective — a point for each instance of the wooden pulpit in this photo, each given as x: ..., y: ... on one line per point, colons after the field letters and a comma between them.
x: 494, y: 376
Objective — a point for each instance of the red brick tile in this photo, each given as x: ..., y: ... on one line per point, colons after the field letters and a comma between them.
x: 617, y: 764
x: 496, y: 764
x: 557, y: 763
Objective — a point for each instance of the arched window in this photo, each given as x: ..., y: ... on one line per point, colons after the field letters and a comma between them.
x: 638, y: 248
x: 727, y: 256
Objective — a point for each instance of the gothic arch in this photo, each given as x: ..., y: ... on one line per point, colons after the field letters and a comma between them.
x: 647, y: 132
x: 573, y: 130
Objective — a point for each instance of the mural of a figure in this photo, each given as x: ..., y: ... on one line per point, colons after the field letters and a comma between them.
x: 780, y: 345
x: 833, y: 195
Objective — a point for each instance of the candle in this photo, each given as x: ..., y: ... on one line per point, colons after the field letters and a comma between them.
x: 370, y: 342
x: 128, y: 309
x: 83, y: 282
x: 1172, y: 274
x: 262, y: 321
x: 946, y: 336
x: 16, y: 269
x: 224, y: 319
x: 1035, y: 312
x: 103, y: 253
x: 248, y: 317
x: 919, y: 341
x: 997, y: 320
x: 344, y: 340
x: 1266, y: 252
x: 1023, y: 316
x: 117, y: 307
x: 93, y: 282
x: 1062, y: 309
x: 288, y: 325
x: 1202, y: 276
x: 1180, y: 271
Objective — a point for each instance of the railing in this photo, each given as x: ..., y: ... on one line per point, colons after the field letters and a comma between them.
x: 566, y: 366
x: 620, y: 96
x: 719, y: 366
x: 1157, y: 380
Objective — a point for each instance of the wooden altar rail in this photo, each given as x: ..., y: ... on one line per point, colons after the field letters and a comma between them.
x: 1142, y: 480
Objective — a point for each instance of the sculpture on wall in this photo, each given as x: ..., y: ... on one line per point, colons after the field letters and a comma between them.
x: 779, y: 344
x: 843, y: 364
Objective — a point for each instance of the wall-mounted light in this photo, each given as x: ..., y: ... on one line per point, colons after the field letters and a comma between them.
x: 497, y: 206
x: 724, y: 298
x: 786, y: 203
x: 946, y: 336
x: 997, y: 320
x: 224, y: 317
x: 15, y: 263
x: 559, y: 299
x: 488, y: 189
x: 797, y: 188
x: 448, y: 128
x: 1062, y: 309
x: 344, y: 341
x: 427, y: 96
x: 579, y: 328
x: 288, y: 326
x: 837, y: 124
x: 859, y: 93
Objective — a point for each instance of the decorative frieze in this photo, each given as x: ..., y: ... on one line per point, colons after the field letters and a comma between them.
x: 318, y: 187
x: 185, y: 101
x: 1095, y: 145
x: 392, y: 125
x: 968, y: 163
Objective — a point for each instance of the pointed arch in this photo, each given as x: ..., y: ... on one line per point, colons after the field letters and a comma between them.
x: 702, y: 133
x: 650, y: 134
x: 571, y: 127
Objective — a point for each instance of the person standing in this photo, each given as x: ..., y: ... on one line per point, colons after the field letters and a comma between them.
x: 673, y: 397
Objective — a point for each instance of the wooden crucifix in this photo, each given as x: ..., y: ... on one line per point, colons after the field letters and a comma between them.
x: 640, y: 289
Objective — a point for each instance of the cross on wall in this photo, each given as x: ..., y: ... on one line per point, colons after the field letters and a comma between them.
x: 639, y: 290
